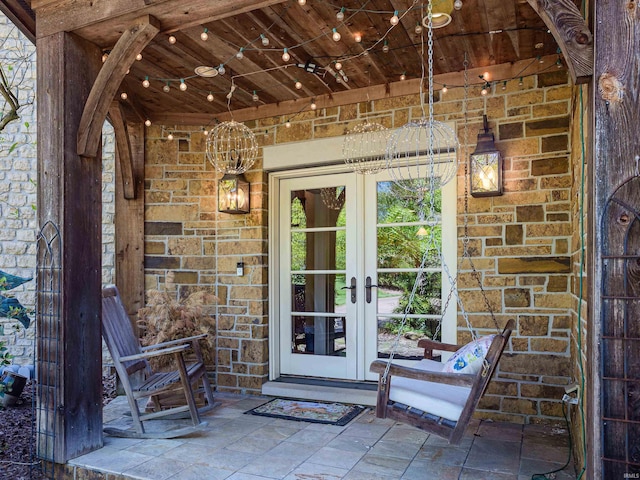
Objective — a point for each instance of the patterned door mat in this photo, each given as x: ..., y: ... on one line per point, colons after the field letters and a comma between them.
x: 308, y: 411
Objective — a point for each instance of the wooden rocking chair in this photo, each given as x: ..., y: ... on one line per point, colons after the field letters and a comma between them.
x: 129, y: 358
x: 431, y: 400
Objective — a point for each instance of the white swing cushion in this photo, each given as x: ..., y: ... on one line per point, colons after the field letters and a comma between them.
x: 469, y: 358
x: 438, y: 399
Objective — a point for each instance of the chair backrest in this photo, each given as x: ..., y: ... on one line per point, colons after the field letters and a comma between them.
x: 118, y: 332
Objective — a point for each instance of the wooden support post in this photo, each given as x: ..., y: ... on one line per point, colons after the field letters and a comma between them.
x: 129, y: 225
x: 616, y: 156
x: 70, y: 196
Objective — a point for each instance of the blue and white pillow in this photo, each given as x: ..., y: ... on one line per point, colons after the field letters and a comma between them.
x: 469, y: 358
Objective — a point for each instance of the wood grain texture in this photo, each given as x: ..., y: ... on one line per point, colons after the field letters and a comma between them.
x: 117, y: 119
x: 106, y: 85
x: 571, y: 32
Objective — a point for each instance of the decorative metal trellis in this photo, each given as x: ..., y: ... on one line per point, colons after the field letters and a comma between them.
x: 620, y: 317
x: 48, y: 342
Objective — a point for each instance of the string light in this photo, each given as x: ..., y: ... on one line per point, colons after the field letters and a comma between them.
x: 340, y: 15
x: 287, y: 124
x: 357, y: 37
x: 504, y: 85
x: 540, y: 59
x: 205, y: 35
x: 255, y: 97
x: 485, y: 88
x: 183, y: 86
x: 139, y: 57
x: 520, y: 83
x: 558, y: 63
x: 298, y: 85
x: 172, y: 39
x: 313, y: 105
x: 302, y: 2
x: 210, y: 97
x: 166, y: 88
x: 285, y: 56
x: 403, y: 76
x: 444, y: 89
x: 336, y: 35
x: 394, y: 20
x: 105, y: 55
x: 147, y: 122
x: 265, y: 40
x: 205, y: 132
x: 457, y: 4
x: 418, y: 28
x: 385, y: 47
x: 124, y: 95
x: 338, y: 66
x: 145, y: 82
x: 221, y: 69
x: 170, y: 136
x: 240, y: 54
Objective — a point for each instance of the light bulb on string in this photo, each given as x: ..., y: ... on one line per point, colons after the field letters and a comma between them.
x: 357, y: 37
x: 172, y: 39
x: 205, y: 132
x: 145, y: 82
x: 313, y: 105
x: 385, y: 47
x: 485, y: 88
x: 520, y: 82
x: 105, y: 55
x: 204, y: 36
x: 394, y: 20
x: 298, y: 85
x: 302, y: 2
x: 183, y: 86
x: 558, y: 63
x: 265, y: 40
x: 124, y: 95
x: 170, y: 136
x: 338, y: 66
x: 403, y: 76
x: 285, y: 56
x: 287, y: 124
x: 540, y: 59
x: 240, y: 54
x: 210, y: 97
x: 221, y: 69
x: 139, y: 57
x: 255, y: 97
x: 444, y: 89
x: 504, y: 85
x: 336, y: 35
x: 147, y: 122
x: 418, y: 28
x: 457, y: 4
x: 166, y: 87
x: 340, y: 15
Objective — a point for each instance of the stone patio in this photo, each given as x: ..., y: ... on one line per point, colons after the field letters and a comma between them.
x: 235, y: 446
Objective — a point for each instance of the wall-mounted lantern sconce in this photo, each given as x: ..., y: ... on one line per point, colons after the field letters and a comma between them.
x: 485, y: 165
x: 233, y: 194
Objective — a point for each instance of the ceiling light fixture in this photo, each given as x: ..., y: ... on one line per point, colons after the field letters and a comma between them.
x: 440, y: 14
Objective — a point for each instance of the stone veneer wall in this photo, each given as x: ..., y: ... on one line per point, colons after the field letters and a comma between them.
x: 521, y: 243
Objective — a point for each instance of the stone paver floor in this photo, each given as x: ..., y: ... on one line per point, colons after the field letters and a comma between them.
x: 235, y: 446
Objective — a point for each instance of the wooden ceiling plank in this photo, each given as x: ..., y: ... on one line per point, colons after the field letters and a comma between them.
x: 506, y: 71
x: 108, y: 81
x: 23, y: 19
x: 571, y: 32
x: 116, y: 117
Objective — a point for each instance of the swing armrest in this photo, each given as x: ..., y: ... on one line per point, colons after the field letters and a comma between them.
x: 458, y: 379
x: 431, y: 345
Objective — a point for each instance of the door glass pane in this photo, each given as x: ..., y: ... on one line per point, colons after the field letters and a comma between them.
x: 318, y: 266
x: 404, y: 233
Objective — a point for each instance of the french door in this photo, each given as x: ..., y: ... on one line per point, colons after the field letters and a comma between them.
x: 349, y: 248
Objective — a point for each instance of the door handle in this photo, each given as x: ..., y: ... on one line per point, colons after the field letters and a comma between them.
x: 367, y: 288
x: 353, y: 290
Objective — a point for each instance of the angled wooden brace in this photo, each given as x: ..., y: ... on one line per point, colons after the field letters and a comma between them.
x: 117, y: 117
x: 570, y: 30
x: 109, y: 79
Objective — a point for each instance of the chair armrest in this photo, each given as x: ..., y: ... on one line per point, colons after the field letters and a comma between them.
x: 458, y: 379
x: 155, y: 353
x: 179, y: 341
x: 431, y: 345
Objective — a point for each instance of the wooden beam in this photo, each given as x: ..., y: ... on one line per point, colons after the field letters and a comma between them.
x: 117, y: 117
x: 115, y: 15
x: 106, y: 85
x: 22, y: 17
x: 129, y: 226
x: 497, y: 73
x: 570, y: 30
x: 69, y: 300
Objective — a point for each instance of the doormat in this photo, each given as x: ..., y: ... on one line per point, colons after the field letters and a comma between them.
x: 308, y: 411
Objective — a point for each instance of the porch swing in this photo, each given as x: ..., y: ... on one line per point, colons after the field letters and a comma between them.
x: 439, y: 398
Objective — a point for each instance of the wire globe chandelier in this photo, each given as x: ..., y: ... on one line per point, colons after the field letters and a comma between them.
x: 232, y: 148
x: 365, y: 148
x: 422, y: 155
